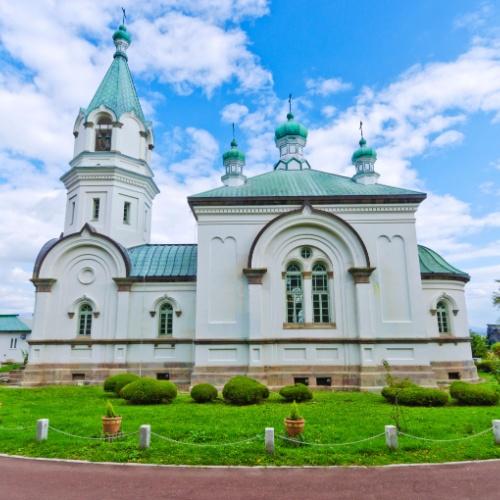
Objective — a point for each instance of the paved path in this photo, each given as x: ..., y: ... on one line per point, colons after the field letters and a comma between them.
x: 41, y: 480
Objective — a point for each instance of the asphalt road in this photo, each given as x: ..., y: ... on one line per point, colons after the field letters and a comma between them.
x: 43, y: 480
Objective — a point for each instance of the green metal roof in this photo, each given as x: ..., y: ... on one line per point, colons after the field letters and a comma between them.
x: 117, y: 90
x: 11, y: 323
x: 122, y: 34
x: 234, y: 153
x: 290, y: 127
x: 432, y: 264
x: 163, y: 260
x: 301, y: 183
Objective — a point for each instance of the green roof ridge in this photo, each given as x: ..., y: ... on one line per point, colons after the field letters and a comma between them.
x: 307, y: 182
x: 117, y: 91
x: 12, y: 323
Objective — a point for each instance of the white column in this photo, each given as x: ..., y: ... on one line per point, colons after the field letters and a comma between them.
x: 364, y: 312
x: 307, y: 300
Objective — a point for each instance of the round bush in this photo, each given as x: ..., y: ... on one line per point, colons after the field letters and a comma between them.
x: 391, y: 392
x: 204, y: 393
x: 297, y: 392
x: 147, y: 391
x: 474, y: 394
x: 495, y: 349
x: 242, y: 390
x: 116, y: 383
x: 407, y: 393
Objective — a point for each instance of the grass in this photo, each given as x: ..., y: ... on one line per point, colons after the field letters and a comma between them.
x: 330, y: 418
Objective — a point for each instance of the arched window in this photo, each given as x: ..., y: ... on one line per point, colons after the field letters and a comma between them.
x: 85, y: 320
x: 294, y: 294
x: 165, y: 319
x: 443, y: 317
x: 320, y: 295
x: 103, y: 131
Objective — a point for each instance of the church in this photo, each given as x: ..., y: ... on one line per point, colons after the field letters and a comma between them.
x: 298, y: 275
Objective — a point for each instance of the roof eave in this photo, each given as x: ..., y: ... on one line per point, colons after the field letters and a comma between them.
x: 464, y: 278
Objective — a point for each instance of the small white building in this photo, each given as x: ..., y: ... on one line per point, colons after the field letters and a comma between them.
x: 298, y: 274
x: 13, y: 338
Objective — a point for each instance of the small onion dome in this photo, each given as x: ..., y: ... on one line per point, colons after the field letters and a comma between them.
x: 363, y: 151
x: 122, y: 34
x: 290, y: 127
x: 234, y: 153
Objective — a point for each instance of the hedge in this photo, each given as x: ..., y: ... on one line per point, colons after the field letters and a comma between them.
x: 297, y: 392
x: 474, y: 394
x: 149, y: 391
x: 204, y: 393
x: 407, y: 393
x: 241, y: 390
x: 116, y: 383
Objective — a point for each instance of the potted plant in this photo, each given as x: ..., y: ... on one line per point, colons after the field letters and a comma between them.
x: 294, y: 423
x: 111, y: 422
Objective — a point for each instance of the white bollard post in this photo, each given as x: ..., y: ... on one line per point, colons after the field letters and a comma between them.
x: 144, y: 437
x: 269, y: 440
x: 391, y: 437
x: 496, y: 430
x: 42, y: 429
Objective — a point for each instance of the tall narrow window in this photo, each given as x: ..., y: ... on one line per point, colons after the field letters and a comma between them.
x: 96, y: 205
x: 294, y: 294
x: 320, y: 295
x: 13, y: 343
x: 166, y: 319
x: 73, y: 208
x: 443, y: 317
x: 85, y: 320
x: 103, y: 131
x: 126, y: 212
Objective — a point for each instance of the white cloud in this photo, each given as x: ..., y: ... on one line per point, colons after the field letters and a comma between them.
x: 328, y: 111
x: 233, y: 113
x: 326, y: 86
x: 475, y: 19
x: 448, y: 138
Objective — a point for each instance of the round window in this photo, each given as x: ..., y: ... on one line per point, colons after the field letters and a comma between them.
x: 306, y: 252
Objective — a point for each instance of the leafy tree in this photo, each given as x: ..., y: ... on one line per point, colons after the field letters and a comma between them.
x: 479, y: 345
x: 496, y: 297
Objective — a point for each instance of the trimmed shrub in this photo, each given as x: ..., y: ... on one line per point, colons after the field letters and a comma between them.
x: 148, y: 391
x: 242, y: 390
x: 204, y: 393
x: 297, y: 392
x: 474, y: 394
x: 391, y: 392
x: 406, y: 393
x: 488, y: 365
x: 116, y: 383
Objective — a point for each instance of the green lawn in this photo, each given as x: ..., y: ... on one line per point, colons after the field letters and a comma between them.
x: 9, y: 367
x: 331, y: 418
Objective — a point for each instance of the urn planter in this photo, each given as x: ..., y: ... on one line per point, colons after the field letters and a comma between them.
x: 111, y: 425
x: 294, y: 427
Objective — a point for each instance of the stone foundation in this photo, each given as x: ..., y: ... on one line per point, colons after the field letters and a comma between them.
x: 184, y: 375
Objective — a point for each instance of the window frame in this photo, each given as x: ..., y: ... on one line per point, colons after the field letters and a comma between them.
x: 127, y: 209
x: 165, y: 319
x: 103, y: 133
x: 85, y: 317
x: 294, y: 314
x: 320, y: 298
x: 96, y: 208
x: 443, y: 317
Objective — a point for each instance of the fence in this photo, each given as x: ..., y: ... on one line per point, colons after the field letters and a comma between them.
x: 144, y: 434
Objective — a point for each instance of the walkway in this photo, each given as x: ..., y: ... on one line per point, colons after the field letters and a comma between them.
x: 41, y: 480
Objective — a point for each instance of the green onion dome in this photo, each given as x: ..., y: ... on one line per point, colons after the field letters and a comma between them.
x: 234, y: 153
x: 363, y: 151
x: 122, y: 34
x: 290, y: 127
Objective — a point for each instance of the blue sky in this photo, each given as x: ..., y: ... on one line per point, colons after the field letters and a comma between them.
x: 423, y: 76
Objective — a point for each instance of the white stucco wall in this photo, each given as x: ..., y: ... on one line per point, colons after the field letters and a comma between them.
x: 14, y: 353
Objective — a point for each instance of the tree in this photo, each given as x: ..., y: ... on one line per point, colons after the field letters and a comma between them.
x: 479, y: 345
x: 496, y: 297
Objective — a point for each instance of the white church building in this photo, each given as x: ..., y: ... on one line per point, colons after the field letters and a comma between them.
x: 298, y: 274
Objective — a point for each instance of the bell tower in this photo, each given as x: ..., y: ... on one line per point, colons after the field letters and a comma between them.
x: 110, y: 184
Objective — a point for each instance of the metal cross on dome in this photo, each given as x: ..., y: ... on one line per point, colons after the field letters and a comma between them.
x: 290, y: 103
x: 124, y: 18
x: 361, y: 129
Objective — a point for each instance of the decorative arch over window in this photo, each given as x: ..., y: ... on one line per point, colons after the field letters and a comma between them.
x: 320, y: 293
x: 452, y: 303
x: 84, y: 299
x: 165, y: 298
x: 103, y: 133
x: 85, y: 314
x: 443, y: 316
x: 165, y: 319
x: 294, y: 293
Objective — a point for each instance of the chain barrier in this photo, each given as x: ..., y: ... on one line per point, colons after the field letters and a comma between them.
x: 206, y: 444
x: 284, y: 438
x: 102, y: 438
x: 14, y: 428
x: 445, y: 440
